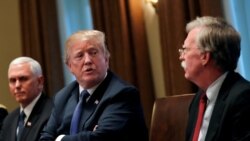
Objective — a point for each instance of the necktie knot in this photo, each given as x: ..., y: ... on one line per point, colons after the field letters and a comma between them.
x: 21, y: 118
x: 204, y: 98
x: 84, y: 95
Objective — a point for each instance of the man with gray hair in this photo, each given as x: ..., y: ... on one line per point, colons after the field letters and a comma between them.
x: 220, y: 110
x: 26, y: 82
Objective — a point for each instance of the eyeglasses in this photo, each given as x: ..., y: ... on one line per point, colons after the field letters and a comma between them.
x: 183, y: 50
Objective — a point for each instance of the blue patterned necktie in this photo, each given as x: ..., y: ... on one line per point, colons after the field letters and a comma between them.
x: 78, y: 112
x: 20, y: 124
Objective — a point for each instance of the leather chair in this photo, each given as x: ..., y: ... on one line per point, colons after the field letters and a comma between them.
x: 169, y: 118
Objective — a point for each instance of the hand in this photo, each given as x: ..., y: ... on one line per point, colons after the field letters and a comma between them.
x: 95, y: 127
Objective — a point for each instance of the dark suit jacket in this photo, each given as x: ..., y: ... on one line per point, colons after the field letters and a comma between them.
x: 230, y: 120
x: 114, y: 107
x: 34, y: 124
x: 3, y: 114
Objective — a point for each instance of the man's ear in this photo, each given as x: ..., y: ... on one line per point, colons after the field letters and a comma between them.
x: 69, y: 67
x: 205, y: 57
x: 41, y: 81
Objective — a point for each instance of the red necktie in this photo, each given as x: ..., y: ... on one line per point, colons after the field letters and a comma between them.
x: 202, y: 108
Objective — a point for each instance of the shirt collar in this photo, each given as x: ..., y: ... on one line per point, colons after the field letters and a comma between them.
x: 28, y: 109
x: 91, y: 90
x: 213, y: 90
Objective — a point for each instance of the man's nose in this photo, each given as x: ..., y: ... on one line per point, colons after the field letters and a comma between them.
x: 17, y: 83
x: 87, y: 58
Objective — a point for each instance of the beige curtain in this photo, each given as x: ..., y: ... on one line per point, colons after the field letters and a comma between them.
x: 40, y: 39
x: 122, y: 21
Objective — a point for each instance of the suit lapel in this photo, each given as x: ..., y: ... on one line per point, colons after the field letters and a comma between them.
x: 95, y: 99
x: 33, y: 118
x: 88, y: 109
x: 216, y: 117
x: 73, y: 100
x: 219, y: 108
x: 14, y: 126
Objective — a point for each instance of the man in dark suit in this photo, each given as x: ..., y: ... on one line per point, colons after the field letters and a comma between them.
x: 209, y: 57
x: 26, y: 86
x: 3, y: 114
x: 111, y: 112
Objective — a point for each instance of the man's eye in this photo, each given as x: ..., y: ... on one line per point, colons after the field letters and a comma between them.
x: 23, y: 79
x: 78, y: 56
x: 93, y: 52
x: 12, y: 80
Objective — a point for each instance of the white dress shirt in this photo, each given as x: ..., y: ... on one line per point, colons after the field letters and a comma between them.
x: 212, y: 93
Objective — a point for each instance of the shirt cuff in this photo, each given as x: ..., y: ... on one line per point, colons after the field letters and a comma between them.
x: 59, y: 138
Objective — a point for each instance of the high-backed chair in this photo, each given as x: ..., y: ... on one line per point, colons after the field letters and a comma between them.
x: 169, y: 118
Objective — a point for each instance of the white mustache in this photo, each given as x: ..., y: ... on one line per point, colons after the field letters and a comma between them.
x: 183, y: 64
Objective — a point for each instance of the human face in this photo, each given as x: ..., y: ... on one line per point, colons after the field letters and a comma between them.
x: 191, y: 56
x: 23, y: 84
x: 88, y: 63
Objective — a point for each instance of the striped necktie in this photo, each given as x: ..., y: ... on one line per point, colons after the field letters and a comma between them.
x: 20, y: 125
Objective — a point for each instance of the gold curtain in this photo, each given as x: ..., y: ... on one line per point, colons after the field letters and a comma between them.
x: 122, y: 21
x: 40, y: 39
x: 173, y: 16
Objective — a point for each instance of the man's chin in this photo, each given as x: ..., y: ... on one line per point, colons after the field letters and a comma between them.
x: 20, y: 100
x: 89, y: 82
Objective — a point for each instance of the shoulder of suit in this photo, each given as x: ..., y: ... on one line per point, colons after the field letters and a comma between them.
x: 68, y: 88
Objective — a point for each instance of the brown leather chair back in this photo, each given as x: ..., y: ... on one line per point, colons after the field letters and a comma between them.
x: 169, y: 118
